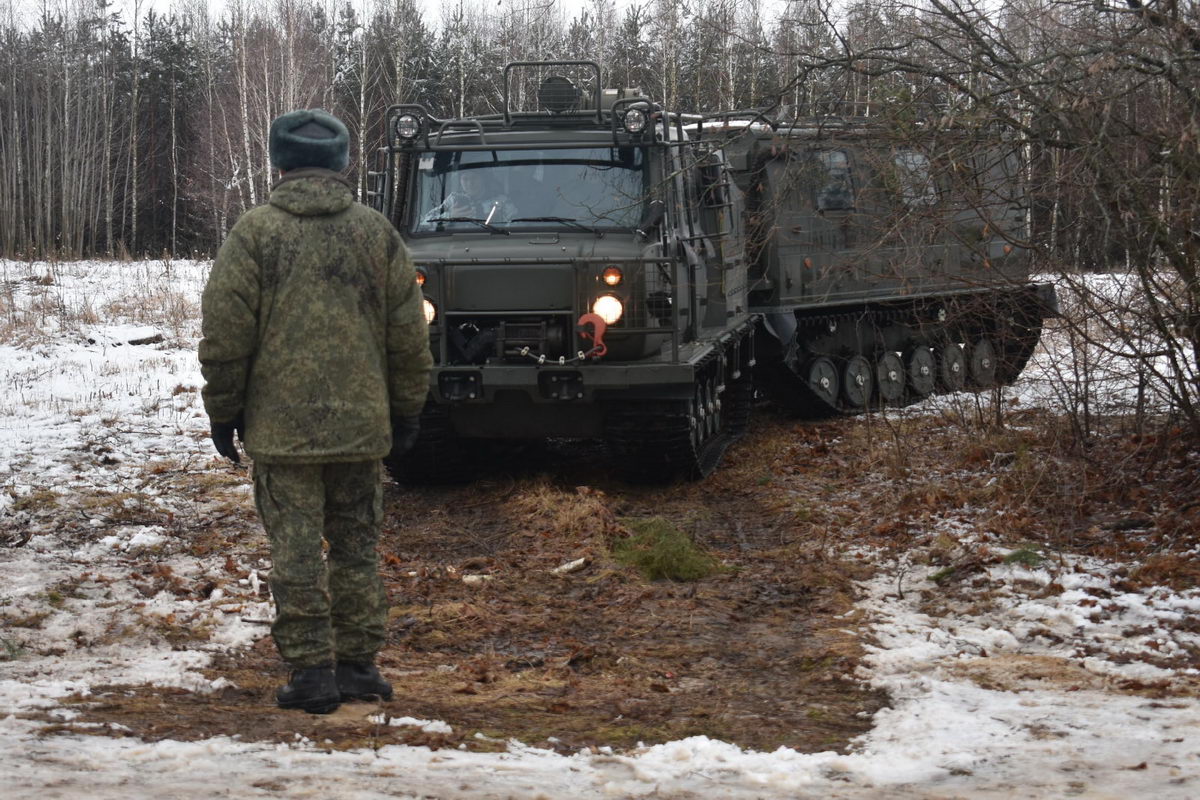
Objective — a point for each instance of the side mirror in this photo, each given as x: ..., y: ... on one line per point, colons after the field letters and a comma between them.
x: 655, y: 211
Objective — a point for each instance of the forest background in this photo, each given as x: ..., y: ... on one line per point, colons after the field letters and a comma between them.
x: 148, y: 133
x: 142, y: 129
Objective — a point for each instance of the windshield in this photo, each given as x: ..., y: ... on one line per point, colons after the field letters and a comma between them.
x: 590, y: 189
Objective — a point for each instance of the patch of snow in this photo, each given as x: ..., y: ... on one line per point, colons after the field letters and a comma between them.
x: 426, y: 725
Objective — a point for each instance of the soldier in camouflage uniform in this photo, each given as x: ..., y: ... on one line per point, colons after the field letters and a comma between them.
x: 315, y: 351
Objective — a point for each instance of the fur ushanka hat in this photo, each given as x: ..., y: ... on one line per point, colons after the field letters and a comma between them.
x: 309, y: 138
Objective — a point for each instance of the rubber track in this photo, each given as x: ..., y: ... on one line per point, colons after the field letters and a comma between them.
x: 787, y: 388
x: 792, y: 392
x: 1016, y: 354
x: 736, y: 406
x: 653, y: 440
x: 438, y: 456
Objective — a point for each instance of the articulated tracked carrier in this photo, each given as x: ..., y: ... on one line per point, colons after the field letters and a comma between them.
x: 595, y: 266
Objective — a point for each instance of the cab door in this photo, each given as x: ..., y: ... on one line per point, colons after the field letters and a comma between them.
x: 817, y: 225
x: 719, y: 204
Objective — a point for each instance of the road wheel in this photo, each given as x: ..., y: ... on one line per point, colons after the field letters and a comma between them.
x: 921, y: 370
x: 858, y: 382
x: 823, y: 381
x: 981, y: 366
x: 889, y: 377
x: 952, y: 367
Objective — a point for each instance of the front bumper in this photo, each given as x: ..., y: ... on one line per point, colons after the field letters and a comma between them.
x: 552, y: 384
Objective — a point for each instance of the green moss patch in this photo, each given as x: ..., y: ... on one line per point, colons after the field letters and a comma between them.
x: 661, y: 551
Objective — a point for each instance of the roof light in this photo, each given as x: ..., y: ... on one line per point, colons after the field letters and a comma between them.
x: 408, y: 126
x: 635, y: 120
x: 557, y: 94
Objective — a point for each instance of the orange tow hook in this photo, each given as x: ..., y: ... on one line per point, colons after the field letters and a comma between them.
x: 596, y: 334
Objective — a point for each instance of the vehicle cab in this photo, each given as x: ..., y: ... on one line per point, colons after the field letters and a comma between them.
x: 571, y: 257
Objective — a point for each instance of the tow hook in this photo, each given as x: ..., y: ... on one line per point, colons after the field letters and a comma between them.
x: 596, y: 334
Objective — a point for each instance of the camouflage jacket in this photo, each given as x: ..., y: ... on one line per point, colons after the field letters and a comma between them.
x: 313, y: 326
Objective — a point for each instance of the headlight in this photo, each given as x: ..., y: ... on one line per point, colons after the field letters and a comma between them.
x: 420, y: 277
x: 407, y: 126
x: 430, y: 311
x: 612, y: 276
x: 635, y: 120
x: 608, y: 308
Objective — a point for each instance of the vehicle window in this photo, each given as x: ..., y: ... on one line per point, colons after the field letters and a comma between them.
x: 525, y: 189
x: 837, y: 193
x: 915, y: 178
x: 998, y: 173
x: 817, y: 179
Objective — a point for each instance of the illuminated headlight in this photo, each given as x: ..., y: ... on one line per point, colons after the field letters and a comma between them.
x: 420, y: 277
x: 612, y: 276
x: 608, y: 308
x: 407, y: 126
x: 635, y: 120
x: 430, y: 311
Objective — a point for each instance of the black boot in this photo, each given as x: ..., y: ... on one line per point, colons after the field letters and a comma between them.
x: 361, y: 682
x: 313, y: 690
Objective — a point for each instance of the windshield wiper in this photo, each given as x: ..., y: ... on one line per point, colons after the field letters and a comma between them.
x: 487, y: 226
x: 564, y: 220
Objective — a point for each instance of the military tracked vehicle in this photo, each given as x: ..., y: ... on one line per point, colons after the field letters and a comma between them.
x: 595, y: 266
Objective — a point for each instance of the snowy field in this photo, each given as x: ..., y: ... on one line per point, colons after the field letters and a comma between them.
x: 1062, y: 686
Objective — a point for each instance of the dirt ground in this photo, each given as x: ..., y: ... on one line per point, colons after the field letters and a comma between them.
x: 487, y: 636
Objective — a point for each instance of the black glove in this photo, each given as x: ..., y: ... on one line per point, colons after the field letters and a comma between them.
x: 222, y: 436
x: 405, y: 431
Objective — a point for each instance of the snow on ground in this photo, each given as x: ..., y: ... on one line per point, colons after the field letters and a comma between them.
x: 101, y: 385
x: 1059, y: 686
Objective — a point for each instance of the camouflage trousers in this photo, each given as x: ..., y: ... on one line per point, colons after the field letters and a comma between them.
x: 330, y: 602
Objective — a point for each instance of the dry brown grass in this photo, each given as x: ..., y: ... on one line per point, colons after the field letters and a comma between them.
x: 34, y: 295
x: 1177, y: 570
x: 577, y: 514
x: 155, y: 305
